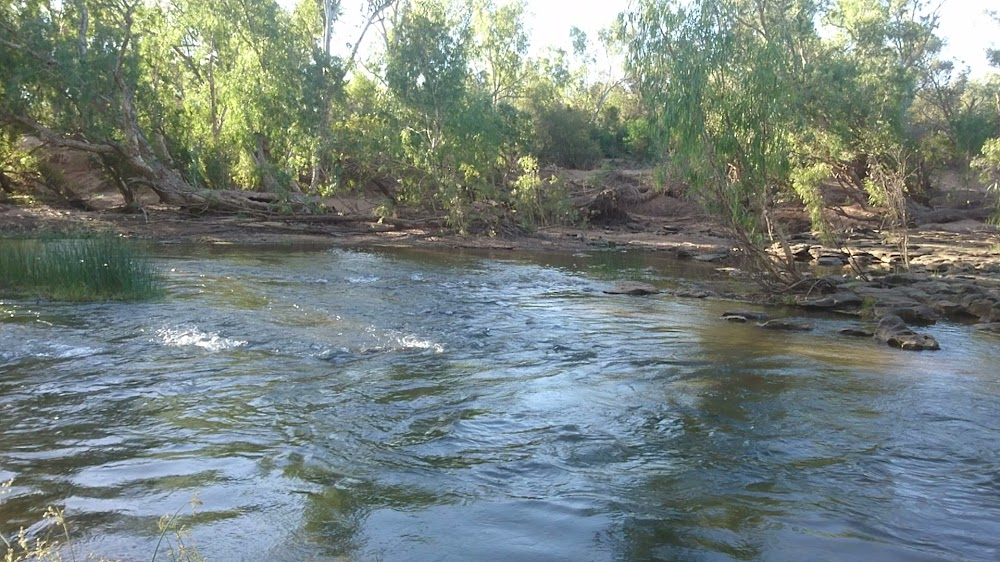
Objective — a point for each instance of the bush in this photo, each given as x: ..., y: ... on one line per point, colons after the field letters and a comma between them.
x: 565, y: 138
x: 988, y: 164
x: 537, y: 201
x: 102, y: 267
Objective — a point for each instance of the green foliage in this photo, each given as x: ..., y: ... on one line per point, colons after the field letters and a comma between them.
x: 952, y: 117
x: 638, y: 139
x: 233, y: 94
x: 537, y: 201
x: 727, y: 102
x: 565, y: 137
x: 740, y: 94
x: 18, y: 167
x: 102, y: 267
x: 807, y: 182
x: 427, y: 62
x: 988, y: 164
x: 499, y: 49
x: 747, y: 99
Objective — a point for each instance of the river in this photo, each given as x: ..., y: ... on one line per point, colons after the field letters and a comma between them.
x: 405, y: 405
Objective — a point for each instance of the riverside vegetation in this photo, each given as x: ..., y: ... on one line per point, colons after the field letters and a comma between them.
x: 248, y: 107
x: 77, y: 268
x: 438, y: 106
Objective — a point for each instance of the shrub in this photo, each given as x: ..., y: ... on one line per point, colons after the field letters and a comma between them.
x: 537, y: 201
x: 565, y: 138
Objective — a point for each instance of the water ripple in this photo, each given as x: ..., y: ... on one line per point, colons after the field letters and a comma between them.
x: 401, y: 405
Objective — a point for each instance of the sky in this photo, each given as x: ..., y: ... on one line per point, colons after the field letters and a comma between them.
x: 969, y: 31
x: 964, y: 25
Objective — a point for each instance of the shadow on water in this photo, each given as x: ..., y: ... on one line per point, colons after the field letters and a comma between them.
x: 411, y: 405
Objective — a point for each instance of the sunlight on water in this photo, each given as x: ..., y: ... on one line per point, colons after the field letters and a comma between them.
x: 397, y: 341
x: 184, y: 337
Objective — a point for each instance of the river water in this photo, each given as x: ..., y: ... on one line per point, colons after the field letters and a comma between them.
x: 414, y: 405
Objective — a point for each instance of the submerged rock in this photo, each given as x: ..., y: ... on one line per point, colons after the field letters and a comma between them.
x: 694, y: 293
x: 633, y: 288
x: 787, y: 325
x: 892, y: 331
x: 711, y: 257
x: 857, y: 333
x: 745, y: 315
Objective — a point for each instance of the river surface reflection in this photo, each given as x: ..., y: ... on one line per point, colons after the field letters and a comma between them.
x: 415, y: 405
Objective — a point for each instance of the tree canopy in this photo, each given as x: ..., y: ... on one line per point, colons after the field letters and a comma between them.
x: 242, y: 105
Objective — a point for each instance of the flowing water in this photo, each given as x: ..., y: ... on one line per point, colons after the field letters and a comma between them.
x: 403, y: 405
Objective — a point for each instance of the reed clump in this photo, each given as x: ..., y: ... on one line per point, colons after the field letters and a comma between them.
x: 100, y: 267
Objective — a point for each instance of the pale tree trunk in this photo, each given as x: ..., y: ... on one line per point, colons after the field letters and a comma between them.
x: 330, y: 13
x: 81, y: 46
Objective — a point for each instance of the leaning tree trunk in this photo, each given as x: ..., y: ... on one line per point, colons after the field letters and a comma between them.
x: 136, y: 156
x: 168, y: 184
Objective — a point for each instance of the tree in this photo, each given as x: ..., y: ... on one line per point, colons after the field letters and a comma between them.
x: 720, y: 90
x: 988, y: 160
x: 500, y: 45
x: 113, y: 79
x: 740, y: 92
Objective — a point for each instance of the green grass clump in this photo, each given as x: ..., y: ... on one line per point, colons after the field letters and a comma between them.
x: 89, y: 268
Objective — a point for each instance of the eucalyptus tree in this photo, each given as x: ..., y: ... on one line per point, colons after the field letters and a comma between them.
x: 426, y: 72
x: 499, y: 49
x: 455, y: 131
x: 988, y: 160
x: 754, y: 103
x: 177, y: 95
x: 71, y: 73
x: 252, y: 80
x: 952, y: 116
x: 718, y: 78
